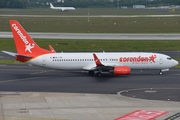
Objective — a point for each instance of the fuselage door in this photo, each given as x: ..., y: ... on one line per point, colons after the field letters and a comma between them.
x: 160, y: 60
x: 43, y: 60
x: 110, y: 60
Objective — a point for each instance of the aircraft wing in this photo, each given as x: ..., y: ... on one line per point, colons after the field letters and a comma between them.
x: 99, y: 66
x: 113, y: 68
x: 94, y: 67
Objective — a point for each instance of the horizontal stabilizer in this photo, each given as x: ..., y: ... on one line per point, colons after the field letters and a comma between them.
x: 18, y: 57
x: 10, y: 53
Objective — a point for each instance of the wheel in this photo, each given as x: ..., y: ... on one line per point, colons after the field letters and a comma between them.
x: 98, y: 74
x: 160, y: 73
x: 91, y: 73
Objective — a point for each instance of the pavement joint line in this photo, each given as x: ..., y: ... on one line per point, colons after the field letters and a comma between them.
x: 102, y: 36
x: 67, y: 108
x: 34, y: 118
x: 22, y: 79
x: 3, y: 65
x: 41, y: 72
x: 175, y: 74
x: 2, y: 110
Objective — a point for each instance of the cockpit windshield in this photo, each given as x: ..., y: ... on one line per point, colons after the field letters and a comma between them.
x: 169, y: 58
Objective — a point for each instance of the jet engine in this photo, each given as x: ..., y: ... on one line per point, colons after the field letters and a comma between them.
x: 121, y: 70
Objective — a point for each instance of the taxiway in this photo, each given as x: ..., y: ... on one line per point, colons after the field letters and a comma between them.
x: 30, y: 78
x: 29, y: 92
x: 90, y: 36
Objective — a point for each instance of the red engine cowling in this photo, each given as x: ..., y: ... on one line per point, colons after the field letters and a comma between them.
x: 121, y: 70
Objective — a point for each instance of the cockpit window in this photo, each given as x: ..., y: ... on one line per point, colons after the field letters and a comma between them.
x: 169, y: 58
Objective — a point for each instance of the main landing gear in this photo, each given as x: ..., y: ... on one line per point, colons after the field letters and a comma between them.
x: 98, y: 74
x: 91, y: 73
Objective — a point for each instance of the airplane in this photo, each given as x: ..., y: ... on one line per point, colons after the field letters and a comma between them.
x: 116, y: 63
x: 172, y: 10
x: 61, y: 8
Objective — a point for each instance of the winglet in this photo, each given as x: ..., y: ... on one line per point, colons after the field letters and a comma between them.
x: 97, y: 61
x: 52, y: 49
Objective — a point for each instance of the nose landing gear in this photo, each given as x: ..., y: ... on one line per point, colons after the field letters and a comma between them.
x: 160, y: 73
x: 163, y: 70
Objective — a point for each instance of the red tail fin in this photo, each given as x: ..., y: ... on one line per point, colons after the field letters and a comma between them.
x: 25, y: 45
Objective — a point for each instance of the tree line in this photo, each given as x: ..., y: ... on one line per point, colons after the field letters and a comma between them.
x: 13, y: 3
x: 149, y: 2
x: 84, y: 3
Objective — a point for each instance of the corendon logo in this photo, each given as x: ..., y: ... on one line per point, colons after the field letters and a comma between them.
x: 23, y: 38
x: 138, y: 59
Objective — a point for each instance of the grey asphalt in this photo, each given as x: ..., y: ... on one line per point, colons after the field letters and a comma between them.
x: 29, y: 92
x: 105, y: 36
x: 29, y: 79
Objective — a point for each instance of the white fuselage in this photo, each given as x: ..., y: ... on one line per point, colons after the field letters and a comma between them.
x: 63, y: 8
x: 85, y: 61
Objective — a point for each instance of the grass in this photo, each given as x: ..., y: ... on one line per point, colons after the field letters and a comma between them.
x: 85, y: 11
x: 10, y: 62
x: 99, y: 45
x: 96, y: 24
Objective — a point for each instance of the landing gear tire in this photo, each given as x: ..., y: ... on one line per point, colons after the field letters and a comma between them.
x: 160, y: 73
x: 91, y: 73
x: 98, y: 74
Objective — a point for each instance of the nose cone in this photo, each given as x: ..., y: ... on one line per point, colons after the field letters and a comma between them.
x: 176, y: 62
